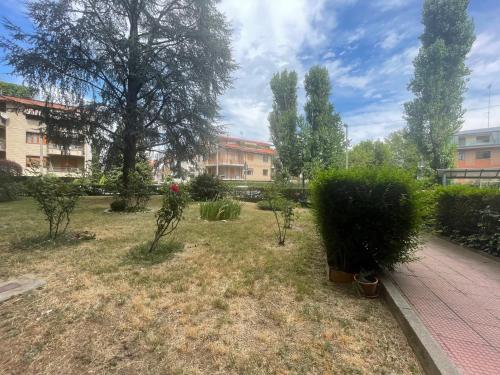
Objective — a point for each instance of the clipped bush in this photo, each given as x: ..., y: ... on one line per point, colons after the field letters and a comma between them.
x: 368, y: 218
x: 9, y: 187
x: 470, y: 215
x: 57, y: 200
x: 222, y: 209
x: 207, y: 188
x: 118, y: 205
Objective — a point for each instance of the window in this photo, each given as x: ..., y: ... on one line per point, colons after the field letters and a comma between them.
x: 483, y: 155
x: 265, y: 158
x: 249, y: 172
x: 3, y: 107
x: 34, y: 138
x: 34, y: 161
x: 265, y: 172
x: 461, y: 141
x: 249, y: 156
x: 461, y: 155
x: 483, y: 139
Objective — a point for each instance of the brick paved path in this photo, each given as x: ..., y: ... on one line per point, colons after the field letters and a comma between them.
x: 456, y: 293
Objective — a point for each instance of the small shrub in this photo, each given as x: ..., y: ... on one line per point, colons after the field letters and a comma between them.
x: 207, y: 188
x: 170, y: 214
x: 368, y: 218
x: 223, y: 209
x: 266, y: 206
x: 282, y: 209
x: 138, y: 192
x: 57, y: 200
x: 470, y: 215
x: 118, y: 205
x: 9, y: 187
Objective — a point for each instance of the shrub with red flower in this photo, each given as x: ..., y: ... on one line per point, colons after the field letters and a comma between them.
x: 170, y: 214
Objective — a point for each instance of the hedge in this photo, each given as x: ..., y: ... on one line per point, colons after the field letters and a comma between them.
x: 368, y: 218
x: 470, y: 215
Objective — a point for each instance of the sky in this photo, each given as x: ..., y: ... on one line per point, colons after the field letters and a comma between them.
x: 367, y: 45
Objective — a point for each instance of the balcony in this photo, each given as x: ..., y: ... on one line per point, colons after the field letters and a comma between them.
x: 71, y: 150
x: 225, y: 163
x: 2, y: 144
x: 64, y: 170
x: 477, y: 141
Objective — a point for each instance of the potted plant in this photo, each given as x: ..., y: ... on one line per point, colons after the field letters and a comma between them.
x: 367, y: 283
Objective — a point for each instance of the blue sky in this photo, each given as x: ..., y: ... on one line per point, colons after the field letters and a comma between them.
x: 367, y: 45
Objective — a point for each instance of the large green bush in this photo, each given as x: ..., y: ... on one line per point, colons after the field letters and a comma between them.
x: 9, y: 187
x: 222, y: 209
x: 470, y: 215
x: 368, y: 218
x: 206, y: 188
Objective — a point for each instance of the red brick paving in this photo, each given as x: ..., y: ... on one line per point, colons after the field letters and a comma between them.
x: 456, y: 293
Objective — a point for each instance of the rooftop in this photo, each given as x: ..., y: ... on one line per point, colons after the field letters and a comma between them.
x: 33, y: 102
x: 478, y: 131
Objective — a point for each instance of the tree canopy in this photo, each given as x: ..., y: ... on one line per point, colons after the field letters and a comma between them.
x: 439, y: 83
x: 145, y: 73
x: 20, y: 91
x: 283, y: 121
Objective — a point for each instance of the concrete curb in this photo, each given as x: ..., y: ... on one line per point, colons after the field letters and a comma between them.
x: 430, y: 355
x: 22, y: 284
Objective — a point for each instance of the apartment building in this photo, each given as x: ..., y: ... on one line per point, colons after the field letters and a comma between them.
x: 22, y: 139
x: 241, y: 159
x: 478, y: 148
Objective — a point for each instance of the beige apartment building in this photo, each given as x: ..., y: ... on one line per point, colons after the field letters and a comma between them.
x: 241, y: 159
x: 22, y: 139
x: 478, y: 148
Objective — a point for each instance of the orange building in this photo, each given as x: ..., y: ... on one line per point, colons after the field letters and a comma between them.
x: 241, y: 159
x: 478, y: 148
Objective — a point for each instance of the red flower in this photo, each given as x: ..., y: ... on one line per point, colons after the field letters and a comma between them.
x: 174, y: 188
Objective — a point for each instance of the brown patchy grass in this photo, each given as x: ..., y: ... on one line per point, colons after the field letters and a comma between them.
x: 230, y: 302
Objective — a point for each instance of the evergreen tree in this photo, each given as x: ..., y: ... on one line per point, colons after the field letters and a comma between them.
x: 327, y: 137
x: 283, y: 122
x: 11, y: 89
x: 440, y: 80
x: 152, y: 69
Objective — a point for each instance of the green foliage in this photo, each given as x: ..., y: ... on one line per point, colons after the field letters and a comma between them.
x: 56, y: 199
x: 370, y: 153
x: 118, y: 205
x: 142, y: 255
x: 368, y: 218
x: 283, y: 122
x: 323, y: 131
x: 170, y: 214
x: 11, y: 89
x: 439, y: 83
x: 136, y: 195
x: 282, y: 208
x: 470, y: 215
x: 222, y: 209
x: 9, y: 187
x: 156, y: 81
x: 206, y: 188
x: 266, y: 206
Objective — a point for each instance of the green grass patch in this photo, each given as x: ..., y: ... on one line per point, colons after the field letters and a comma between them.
x: 140, y: 254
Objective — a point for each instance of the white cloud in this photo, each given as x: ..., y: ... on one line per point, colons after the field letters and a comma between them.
x: 385, y: 5
x: 391, y: 39
x: 268, y: 36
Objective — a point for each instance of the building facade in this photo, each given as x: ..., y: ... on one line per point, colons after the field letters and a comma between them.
x: 479, y: 148
x: 22, y: 140
x: 241, y: 159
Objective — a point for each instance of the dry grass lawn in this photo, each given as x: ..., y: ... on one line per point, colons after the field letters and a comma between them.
x: 229, y: 302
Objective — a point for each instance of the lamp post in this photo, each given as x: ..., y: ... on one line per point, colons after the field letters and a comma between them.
x: 346, y: 146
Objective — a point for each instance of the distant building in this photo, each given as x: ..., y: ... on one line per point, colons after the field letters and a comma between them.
x: 478, y: 148
x: 241, y: 159
x: 22, y: 139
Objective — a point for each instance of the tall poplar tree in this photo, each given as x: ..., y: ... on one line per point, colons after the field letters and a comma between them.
x: 440, y: 80
x: 283, y: 121
x: 325, y: 125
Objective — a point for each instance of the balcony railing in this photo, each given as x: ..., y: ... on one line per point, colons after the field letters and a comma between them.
x: 65, y: 150
x: 2, y: 144
x: 67, y: 170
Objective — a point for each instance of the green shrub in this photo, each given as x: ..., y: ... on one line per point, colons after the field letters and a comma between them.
x: 118, y: 205
x: 223, y: 209
x: 266, y: 206
x: 282, y: 209
x: 470, y: 215
x: 57, y: 200
x: 368, y: 218
x: 10, y: 189
x: 207, y: 188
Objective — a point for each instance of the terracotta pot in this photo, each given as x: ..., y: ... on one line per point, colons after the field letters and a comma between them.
x: 340, y: 276
x: 369, y: 289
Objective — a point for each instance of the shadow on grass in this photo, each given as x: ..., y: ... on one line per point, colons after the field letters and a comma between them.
x: 140, y: 255
x: 43, y: 241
